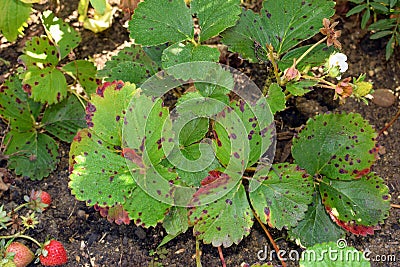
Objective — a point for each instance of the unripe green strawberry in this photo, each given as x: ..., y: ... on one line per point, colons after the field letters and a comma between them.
x: 53, y: 254
x: 23, y: 255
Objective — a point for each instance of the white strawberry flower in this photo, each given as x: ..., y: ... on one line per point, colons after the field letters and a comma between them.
x: 337, y: 65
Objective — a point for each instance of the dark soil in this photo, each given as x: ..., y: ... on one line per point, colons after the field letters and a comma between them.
x: 91, y: 240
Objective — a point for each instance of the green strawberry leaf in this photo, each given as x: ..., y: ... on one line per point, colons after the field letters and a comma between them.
x: 283, y: 197
x: 106, y: 109
x: 316, y: 227
x: 317, y: 57
x: 16, y: 107
x: 15, y: 14
x: 301, y: 87
x: 84, y: 72
x: 215, y: 16
x: 249, y: 128
x: 283, y: 24
x: 155, y: 52
x: 40, y: 50
x: 317, y: 256
x: 348, y: 200
x: 132, y: 64
x: 175, y: 223
x: 191, y: 177
x: 181, y: 53
x: 193, y: 131
x: 62, y: 35
x: 45, y: 85
x: 64, y: 119
x: 224, y: 221
x: 156, y: 22
x: 144, y: 210
x: 147, y: 128
x: 276, y: 98
x: 339, y: 146
x: 93, y: 181
x: 33, y: 154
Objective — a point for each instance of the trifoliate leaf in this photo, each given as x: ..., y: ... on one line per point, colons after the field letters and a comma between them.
x: 15, y: 14
x: 84, y: 72
x: 158, y: 22
x: 316, y: 227
x: 283, y: 24
x: 47, y: 85
x: 339, y: 146
x: 93, y: 181
x: 215, y: 16
x: 224, y: 221
x: 33, y: 154
x: 365, y: 201
x: 333, y: 254
x: 40, y: 50
x: 283, y: 197
x: 63, y: 35
x: 64, y: 119
x: 181, y: 53
x: 276, y: 98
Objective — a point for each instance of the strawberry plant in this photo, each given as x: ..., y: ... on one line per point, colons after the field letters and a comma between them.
x: 206, y: 161
x: 39, y: 104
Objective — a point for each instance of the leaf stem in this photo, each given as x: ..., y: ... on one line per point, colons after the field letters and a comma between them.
x: 310, y: 49
x: 270, y: 49
x: 19, y: 235
x: 198, y: 253
x: 270, y: 238
x: 221, y: 256
x: 390, y: 123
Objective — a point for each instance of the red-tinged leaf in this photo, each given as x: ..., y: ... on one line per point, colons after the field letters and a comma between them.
x: 212, y: 187
x: 131, y: 155
x: 351, y: 226
x: 114, y: 213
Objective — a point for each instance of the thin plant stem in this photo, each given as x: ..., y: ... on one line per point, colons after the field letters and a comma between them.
x: 395, y: 206
x: 390, y: 123
x: 270, y: 238
x: 310, y: 49
x: 221, y: 256
x: 18, y: 235
x: 274, y: 64
x: 198, y: 253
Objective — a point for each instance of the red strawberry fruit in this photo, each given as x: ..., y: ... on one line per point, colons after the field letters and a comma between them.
x: 40, y: 199
x: 53, y: 254
x: 23, y: 255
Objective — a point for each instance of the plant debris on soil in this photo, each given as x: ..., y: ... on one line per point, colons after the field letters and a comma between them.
x: 90, y: 240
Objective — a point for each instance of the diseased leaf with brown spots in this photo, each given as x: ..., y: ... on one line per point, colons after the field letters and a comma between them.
x: 338, y: 146
x: 225, y: 221
x: 366, y: 201
x: 98, y: 172
x: 316, y: 227
x: 283, y: 197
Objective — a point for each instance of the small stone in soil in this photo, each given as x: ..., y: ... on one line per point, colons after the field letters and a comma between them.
x: 383, y: 98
